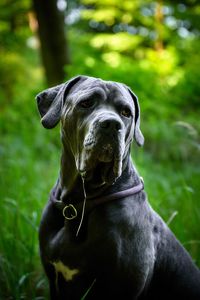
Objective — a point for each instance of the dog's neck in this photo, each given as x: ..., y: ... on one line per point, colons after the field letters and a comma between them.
x: 71, y: 182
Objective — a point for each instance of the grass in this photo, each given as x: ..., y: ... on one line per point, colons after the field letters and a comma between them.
x: 22, y: 198
x: 29, y: 164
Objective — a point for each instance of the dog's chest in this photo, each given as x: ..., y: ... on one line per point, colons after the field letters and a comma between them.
x: 67, y: 272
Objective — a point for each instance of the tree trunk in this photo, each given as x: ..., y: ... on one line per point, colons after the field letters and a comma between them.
x: 159, y: 25
x: 52, y: 40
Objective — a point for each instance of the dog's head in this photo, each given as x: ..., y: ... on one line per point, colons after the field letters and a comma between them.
x: 99, y: 120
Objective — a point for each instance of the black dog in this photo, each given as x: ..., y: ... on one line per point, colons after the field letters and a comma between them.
x: 99, y: 237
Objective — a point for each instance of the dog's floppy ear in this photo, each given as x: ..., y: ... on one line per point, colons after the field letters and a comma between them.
x: 50, y: 102
x: 138, y: 136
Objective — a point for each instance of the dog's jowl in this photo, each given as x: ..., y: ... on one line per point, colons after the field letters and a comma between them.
x: 99, y: 237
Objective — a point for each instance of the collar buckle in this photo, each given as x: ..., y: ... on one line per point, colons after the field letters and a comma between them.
x: 69, y: 212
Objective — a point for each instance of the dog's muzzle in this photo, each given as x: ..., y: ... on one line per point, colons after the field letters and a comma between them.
x: 104, y: 145
x: 107, y: 138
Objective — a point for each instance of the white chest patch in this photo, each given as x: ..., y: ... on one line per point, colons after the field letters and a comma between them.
x: 67, y: 273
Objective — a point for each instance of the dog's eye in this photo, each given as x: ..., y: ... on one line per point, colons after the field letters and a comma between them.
x: 126, y: 112
x: 86, y: 103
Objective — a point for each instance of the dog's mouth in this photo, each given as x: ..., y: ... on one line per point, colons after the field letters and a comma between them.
x: 100, y: 175
x: 102, y: 165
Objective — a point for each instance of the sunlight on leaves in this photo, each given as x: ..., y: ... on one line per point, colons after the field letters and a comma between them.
x: 112, y: 59
x: 102, y: 15
x: 121, y: 42
x: 89, y: 61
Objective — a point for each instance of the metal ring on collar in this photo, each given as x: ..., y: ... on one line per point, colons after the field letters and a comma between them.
x: 71, y: 214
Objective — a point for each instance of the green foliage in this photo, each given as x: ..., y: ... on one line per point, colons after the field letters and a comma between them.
x: 166, y: 83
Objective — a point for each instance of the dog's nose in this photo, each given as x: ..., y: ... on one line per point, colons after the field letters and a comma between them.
x: 110, y: 124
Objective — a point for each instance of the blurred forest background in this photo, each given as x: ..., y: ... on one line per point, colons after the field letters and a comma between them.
x: 152, y: 46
